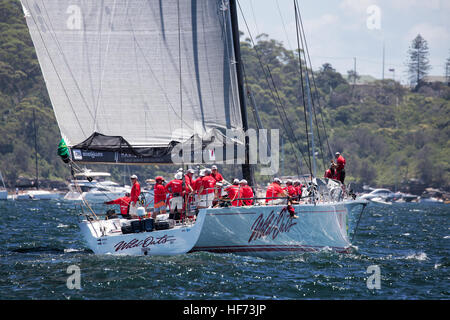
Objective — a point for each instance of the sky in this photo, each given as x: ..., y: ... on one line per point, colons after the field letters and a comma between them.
x: 337, y: 31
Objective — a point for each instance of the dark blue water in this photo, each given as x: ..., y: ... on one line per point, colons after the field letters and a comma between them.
x: 408, y: 242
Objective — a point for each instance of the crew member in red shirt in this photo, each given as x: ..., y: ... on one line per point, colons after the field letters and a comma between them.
x: 197, y: 184
x: 247, y: 193
x: 189, y: 180
x: 207, y: 190
x: 159, y: 197
x: 291, y: 191
x: 274, y: 191
x: 234, y: 192
x: 124, y: 204
x: 134, y: 194
x: 175, y: 190
x: 340, y: 167
x: 298, y: 187
x: 215, y: 174
x: 331, y: 172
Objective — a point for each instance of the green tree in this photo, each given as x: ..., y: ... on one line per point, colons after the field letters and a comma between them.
x: 418, y: 63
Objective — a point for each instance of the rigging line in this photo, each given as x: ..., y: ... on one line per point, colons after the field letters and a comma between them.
x: 57, y: 74
x: 303, y: 89
x: 284, y: 26
x: 278, y: 101
x: 303, y: 42
x: 314, y: 83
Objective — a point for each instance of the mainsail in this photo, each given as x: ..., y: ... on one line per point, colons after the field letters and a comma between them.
x: 130, y: 79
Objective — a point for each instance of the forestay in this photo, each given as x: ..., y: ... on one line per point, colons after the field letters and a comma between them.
x: 148, y: 73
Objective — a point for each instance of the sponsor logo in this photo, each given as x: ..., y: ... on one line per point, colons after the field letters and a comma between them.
x: 77, y: 154
x: 93, y: 154
x: 149, y: 241
x: 272, y: 226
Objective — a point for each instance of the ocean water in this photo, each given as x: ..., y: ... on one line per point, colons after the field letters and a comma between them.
x: 406, y: 244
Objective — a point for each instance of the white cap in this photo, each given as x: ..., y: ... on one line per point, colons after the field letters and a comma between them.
x: 235, y: 181
x: 297, y: 181
x: 243, y: 181
x: 179, y: 176
x: 207, y: 170
x: 289, y: 181
x: 337, y: 153
x: 180, y: 170
x: 214, y: 167
x: 276, y: 180
x: 191, y: 171
x: 202, y: 173
x: 133, y: 176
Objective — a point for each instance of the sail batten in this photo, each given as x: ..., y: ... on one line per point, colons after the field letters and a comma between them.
x: 115, y: 67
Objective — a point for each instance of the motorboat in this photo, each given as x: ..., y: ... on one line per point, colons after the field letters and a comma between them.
x: 379, y: 195
x: 91, y: 186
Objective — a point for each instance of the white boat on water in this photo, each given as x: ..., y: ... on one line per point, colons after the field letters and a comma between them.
x: 136, y: 82
x: 92, y: 186
x: 37, y: 195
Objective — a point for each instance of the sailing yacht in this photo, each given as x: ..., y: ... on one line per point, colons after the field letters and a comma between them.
x: 160, y: 82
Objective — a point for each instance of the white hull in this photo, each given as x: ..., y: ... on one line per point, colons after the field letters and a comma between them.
x: 37, y: 195
x: 178, y: 240
x: 93, y: 196
x: 263, y: 231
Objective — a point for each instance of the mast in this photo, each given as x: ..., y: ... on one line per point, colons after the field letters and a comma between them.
x: 247, y: 170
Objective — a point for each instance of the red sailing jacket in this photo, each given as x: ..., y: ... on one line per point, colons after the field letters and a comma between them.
x: 208, y: 183
x: 292, y: 191
x: 123, y: 202
x: 175, y: 186
x: 273, y: 191
x: 247, y: 192
x: 340, y: 163
x: 160, y: 193
x: 135, y: 192
x: 234, y: 192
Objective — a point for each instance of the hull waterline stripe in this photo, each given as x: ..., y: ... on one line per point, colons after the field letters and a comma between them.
x: 305, y: 248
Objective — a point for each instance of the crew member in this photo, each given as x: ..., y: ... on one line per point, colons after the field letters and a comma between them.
x: 331, y: 172
x: 175, y: 190
x: 299, y: 188
x: 290, y: 189
x: 340, y: 167
x: 189, y: 180
x: 207, y: 189
x: 124, y: 204
x: 159, y: 197
x: 234, y: 192
x: 196, y: 186
x: 215, y: 174
x: 247, y: 193
x: 134, y: 194
x: 275, y: 191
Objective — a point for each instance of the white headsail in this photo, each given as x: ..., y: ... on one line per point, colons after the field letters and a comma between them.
x: 152, y: 72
